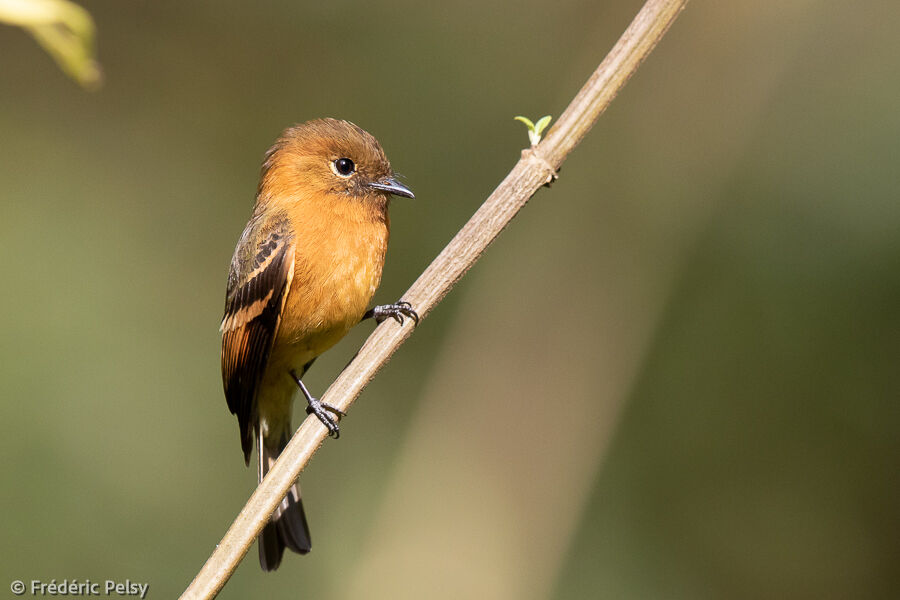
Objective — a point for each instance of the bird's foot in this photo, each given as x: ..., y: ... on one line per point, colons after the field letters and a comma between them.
x: 397, y: 311
x: 321, y: 410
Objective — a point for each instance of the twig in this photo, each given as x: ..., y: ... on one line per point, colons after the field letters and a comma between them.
x: 537, y: 167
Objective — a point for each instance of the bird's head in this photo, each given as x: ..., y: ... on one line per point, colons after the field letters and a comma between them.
x: 328, y: 157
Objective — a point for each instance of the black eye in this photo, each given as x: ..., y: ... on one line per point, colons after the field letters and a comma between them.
x: 344, y: 167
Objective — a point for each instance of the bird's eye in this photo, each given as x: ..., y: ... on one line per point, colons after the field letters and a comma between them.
x: 343, y: 167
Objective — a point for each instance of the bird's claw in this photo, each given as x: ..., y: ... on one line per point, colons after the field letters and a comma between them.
x: 396, y: 311
x: 321, y: 410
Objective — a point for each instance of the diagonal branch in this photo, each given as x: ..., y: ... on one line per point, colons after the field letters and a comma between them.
x: 537, y: 167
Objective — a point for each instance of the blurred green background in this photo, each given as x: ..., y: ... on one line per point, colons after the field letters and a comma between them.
x: 674, y: 376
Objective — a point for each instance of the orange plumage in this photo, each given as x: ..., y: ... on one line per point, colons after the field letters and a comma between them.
x: 303, y: 274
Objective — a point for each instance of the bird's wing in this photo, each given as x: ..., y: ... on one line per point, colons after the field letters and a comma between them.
x: 258, y: 283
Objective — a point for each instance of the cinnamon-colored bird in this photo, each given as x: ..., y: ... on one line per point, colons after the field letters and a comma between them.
x: 303, y: 273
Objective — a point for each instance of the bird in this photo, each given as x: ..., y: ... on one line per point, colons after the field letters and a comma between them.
x: 302, y: 275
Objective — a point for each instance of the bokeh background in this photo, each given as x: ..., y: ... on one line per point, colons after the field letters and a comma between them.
x: 675, y: 375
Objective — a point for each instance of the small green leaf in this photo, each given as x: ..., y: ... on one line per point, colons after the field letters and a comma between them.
x: 534, y: 131
x: 527, y: 122
x: 542, y: 124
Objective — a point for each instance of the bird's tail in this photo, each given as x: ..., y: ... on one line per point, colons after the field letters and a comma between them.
x: 287, y: 527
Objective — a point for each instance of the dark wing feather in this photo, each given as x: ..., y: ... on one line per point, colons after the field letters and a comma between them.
x: 260, y: 276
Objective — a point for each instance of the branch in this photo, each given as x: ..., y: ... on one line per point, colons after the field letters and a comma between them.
x: 537, y: 167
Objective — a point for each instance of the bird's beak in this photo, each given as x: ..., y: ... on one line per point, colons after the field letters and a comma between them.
x: 392, y: 186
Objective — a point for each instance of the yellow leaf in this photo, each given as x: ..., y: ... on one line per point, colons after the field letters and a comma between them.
x: 64, y: 29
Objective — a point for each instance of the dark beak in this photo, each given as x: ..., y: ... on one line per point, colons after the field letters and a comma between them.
x: 392, y: 186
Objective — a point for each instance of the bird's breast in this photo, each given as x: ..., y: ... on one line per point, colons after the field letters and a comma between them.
x: 337, y: 268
